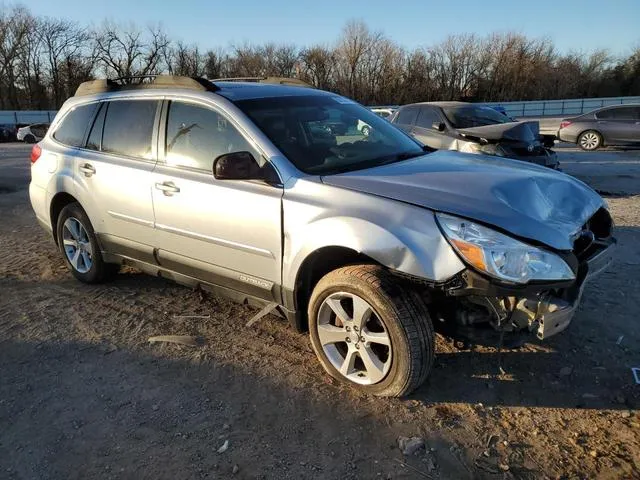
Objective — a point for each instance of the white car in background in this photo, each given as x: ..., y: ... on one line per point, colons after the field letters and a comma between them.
x: 32, y: 133
x: 383, y: 112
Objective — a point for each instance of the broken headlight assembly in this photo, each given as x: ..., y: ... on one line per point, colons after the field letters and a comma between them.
x: 501, y: 256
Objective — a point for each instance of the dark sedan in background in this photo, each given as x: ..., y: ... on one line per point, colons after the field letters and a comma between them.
x: 618, y: 125
x: 472, y: 128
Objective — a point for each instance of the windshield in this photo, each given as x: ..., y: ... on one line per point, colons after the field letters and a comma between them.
x: 327, y: 134
x: 469, y: 116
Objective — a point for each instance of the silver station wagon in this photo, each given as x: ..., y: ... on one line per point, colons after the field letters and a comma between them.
x: 268, y: 193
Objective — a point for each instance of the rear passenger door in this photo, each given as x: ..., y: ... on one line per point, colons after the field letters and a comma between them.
x: 114, y: 175
x: 619, y: 125
x: 225, y: 232
x: 424, y: 132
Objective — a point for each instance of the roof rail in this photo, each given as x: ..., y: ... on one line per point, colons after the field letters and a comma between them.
x: 144, y: 82
x: 273, y: 80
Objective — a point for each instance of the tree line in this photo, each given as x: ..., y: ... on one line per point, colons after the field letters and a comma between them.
x: 43, y: 60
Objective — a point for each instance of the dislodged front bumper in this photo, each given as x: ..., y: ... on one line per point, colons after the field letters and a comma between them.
x: 541, y: 309
x: 553, y: 315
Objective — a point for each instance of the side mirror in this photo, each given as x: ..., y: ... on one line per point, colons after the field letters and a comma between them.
x: 439, y: 126
x: 237, y: 166
x: 242, y: 166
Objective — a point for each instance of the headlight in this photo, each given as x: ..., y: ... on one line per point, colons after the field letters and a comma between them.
x: 501, y: 256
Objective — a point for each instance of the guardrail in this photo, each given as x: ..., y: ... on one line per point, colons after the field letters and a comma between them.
x: 558, y: 108
x: 27, y: 117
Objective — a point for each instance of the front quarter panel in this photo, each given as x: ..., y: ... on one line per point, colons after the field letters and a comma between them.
x: 399, y: 236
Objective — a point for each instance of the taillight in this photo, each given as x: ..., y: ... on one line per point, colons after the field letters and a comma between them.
x: 36, y: 151
x: 565, y: 124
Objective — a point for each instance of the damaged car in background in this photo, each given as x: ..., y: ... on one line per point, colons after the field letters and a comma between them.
x: 472, y: 128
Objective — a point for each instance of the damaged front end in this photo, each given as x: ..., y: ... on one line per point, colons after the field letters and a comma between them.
x: 516, y: 140
x: 480, y: 304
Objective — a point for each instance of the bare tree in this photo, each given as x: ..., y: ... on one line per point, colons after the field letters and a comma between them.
x: 317, y: 66
x: 129, y: 52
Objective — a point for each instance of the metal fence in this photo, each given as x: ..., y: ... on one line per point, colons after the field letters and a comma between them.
x: 557, y: 108
x: 27, y: 117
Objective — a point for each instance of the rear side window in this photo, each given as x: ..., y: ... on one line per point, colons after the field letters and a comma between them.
x: 621, y: 113
x: 406, y: 116
x: 128, y: 127
x: 428, y: 116
x: 196, y: 136
x: 74, y: 124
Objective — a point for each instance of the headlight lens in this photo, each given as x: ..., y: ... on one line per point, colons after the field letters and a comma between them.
x: 501, y: 256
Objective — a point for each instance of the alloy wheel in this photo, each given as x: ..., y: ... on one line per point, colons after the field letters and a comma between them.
x: 77, y: 246
x: 589, y: 141
x: 354, y: 338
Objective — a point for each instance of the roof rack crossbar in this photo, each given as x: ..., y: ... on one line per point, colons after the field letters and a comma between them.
x: 104, y: 85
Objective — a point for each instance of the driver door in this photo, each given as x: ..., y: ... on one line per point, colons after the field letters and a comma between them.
x: 225, y: 232
x: 424, y: 132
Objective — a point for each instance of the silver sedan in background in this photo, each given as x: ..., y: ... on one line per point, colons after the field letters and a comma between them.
x: 617, y: 125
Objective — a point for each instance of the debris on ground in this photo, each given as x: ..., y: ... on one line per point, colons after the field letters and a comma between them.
x: 188, y: 340
x: 410, y: 445
x: 224, y: 447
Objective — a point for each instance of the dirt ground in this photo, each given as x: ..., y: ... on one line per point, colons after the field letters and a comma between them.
x: 84, y: 395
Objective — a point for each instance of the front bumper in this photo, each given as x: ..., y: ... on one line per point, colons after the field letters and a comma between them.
x: 543, y: 309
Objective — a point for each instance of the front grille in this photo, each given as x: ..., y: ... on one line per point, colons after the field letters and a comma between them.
x: 524, y: 152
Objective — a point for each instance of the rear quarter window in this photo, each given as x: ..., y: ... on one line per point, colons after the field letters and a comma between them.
x: 74, y: 124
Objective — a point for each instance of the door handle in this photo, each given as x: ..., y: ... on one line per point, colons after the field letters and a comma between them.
x: 168, y: 188
x: 87, y: 169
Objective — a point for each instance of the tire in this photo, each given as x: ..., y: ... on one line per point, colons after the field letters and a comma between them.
x: 30, y: 138
x: 88, y: 267
x: 396, y: 310
x: 590, y: 140
x: 366, y: 131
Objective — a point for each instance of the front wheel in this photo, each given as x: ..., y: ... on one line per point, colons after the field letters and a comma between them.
x: 29, y: 138
x: 369, y: 331
x: 590, y: 140
x: 366, y: 130
x: 79, y: 246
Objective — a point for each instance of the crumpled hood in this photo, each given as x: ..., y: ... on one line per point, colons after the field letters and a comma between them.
x: 529, y: 201
x: 527, y: 132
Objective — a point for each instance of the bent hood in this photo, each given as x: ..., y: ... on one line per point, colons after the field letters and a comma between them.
x: 513, y: 131
x: 531, y: 202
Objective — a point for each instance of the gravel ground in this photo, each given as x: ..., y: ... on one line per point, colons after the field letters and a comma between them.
x: 84, y: 395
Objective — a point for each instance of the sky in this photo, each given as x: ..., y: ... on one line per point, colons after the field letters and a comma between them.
x: 573, y: 25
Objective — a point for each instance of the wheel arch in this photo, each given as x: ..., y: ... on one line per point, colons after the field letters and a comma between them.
x: 58, y: 202
x: 315, y: 266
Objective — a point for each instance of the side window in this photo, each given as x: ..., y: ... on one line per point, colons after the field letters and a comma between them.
x: 196, y: 136
x: 94, y: 142
x: 605, y: 114
x: 128, y: 127
x: 427, y: 117
x: 407, y: 116
x: 74, y: 124
x: 620, y: 113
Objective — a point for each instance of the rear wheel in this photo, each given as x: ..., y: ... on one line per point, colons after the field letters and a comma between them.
x: 371, y: 332
x: 366, y: 130
x: 29, y: 138
x: 79, y: 246
x: 590, y: 140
